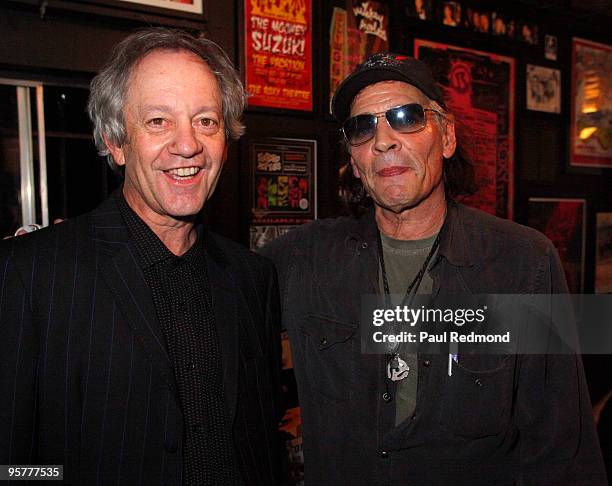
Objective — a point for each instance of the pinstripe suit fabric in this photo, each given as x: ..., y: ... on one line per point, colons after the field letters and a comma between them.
x: 85, y: 379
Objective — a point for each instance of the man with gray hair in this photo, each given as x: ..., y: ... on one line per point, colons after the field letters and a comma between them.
x: 137, y: 346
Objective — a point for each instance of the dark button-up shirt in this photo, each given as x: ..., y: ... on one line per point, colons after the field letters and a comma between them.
x: 182, y: 298
x: 497, y: 420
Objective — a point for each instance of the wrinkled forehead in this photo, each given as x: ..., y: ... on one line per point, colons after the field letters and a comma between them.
x: 391, y: 93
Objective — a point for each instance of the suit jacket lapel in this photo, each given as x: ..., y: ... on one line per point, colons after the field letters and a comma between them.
x: 121, y: 272
x: 225, y: 295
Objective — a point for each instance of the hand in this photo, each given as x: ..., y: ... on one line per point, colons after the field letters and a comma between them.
x: 29, y: 228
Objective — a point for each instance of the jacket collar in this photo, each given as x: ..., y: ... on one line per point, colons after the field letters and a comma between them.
x: 454, y: 244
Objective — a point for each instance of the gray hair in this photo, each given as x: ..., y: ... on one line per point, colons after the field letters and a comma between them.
x: 109, y: 87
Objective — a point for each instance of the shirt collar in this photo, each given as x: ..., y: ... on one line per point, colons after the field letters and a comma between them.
x: 453, y: 247
x: 150, y: 248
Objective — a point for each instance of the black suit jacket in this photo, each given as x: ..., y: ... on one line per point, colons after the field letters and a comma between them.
x: 85, y: 378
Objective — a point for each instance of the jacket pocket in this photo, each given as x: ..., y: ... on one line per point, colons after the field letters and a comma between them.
x: 329, y: 347
x: 477, y: 398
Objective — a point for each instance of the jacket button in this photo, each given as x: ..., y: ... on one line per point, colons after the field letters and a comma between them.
x: 323, y: 341
x: 387, y: 397
x: 427, y: 363
x: 478, y: 382
x: 364, y: 245
x: 384, y: 454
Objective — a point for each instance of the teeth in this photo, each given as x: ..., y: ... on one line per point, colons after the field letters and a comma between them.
x: 185, y: 171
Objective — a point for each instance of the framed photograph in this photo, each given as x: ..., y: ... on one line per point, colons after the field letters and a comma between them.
x: 478, y: 89
x: 543, y: 89
x: 477, y: 20
x: 356, y: 33
x: 193, y: 6
x: 450, y: 14
x: 278, y: 54
x: 550, y: 47
x: 603, y: 254
x: 528, y: 32
x: 563, y: 221
x: 420, y: 9
x: 591, y: 117
x: 502, y: 25
x: 283, y: 175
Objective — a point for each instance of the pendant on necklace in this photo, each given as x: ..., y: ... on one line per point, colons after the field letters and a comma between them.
x: 397, y: 368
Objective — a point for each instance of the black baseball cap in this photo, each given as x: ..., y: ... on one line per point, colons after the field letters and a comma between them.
x: 384, y: 66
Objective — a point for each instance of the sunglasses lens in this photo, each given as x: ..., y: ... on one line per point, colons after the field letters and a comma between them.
x: 359, y: 129
x: 406, y: 119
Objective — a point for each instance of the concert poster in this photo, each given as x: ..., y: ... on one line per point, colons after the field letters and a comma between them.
x: 356, y: 32
x: 278, y: 53
x: 543, y: 89
x: 591, y: 118
x: 478, y: 88
x: 563, y: 221
x: 283, y: 189
x: 603, y: 254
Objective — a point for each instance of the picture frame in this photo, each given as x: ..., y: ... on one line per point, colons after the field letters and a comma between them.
x: 591, y: 107
x: 283, y: 187
x: 191, y: 6
x: 543, y: 89
x: 603, y: 253
x: 563, y: 221
x: 277, y: 59
x: 478, y: 88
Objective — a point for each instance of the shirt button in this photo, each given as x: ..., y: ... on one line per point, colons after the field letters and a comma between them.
x: 387, y: 397
x: 478, y: 382
x: 384, y: 454
x: 323, y: 341
x: 364, y: 245
x: 427, y: 363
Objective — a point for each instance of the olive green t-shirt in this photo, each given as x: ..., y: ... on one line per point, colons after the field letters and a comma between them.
x: 403, y: 260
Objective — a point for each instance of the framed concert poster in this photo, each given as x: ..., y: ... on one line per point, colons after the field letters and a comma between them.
x: 478, y: 89
x: 563, y: 221
x: 283, y: 187
x: 356, y: 32
x: 603, y: 254
x: 193, y: 6
x: 591, y: 118
x: 278, y: 53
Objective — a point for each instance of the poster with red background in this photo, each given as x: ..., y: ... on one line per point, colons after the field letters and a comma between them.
x: 478, y: 89
x: 278, y: 53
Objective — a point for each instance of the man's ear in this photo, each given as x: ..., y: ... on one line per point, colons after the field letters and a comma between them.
x: 116, y: 151
x: 449, y: 139
x: 355, y: 170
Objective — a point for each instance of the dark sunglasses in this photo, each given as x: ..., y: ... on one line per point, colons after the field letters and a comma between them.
x: 408, y: 118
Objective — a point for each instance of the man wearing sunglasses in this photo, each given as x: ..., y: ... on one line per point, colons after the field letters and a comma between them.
x: 407, y: 417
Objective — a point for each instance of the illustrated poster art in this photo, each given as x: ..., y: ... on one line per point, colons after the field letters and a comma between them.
x: 356, y: 32
x: 478, y: 88
x: 563, y: 222
x: 591, y: 118
x: 603, y: 254
x: 543, y: 89
x: 283, y: 174
x: 278, y: 53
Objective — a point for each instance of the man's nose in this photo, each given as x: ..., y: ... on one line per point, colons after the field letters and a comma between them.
x: 185, y: 142
x: 385, y: 138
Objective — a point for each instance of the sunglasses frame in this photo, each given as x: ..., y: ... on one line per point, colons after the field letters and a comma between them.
x: 382, y: 114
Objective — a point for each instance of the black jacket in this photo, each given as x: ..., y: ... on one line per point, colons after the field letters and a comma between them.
x: 86, y: 381
x: 498, y: 420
